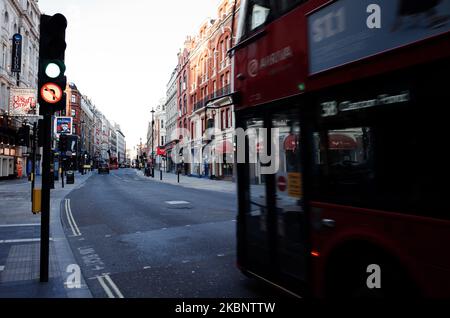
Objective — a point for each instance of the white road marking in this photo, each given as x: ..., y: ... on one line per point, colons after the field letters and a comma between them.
x: 114, y: 286
x: 147, y: 267
x: 2, y: 268
x: 19, y: 225
x: 105, y: 287
x: 71, y: 220
x: 21, y: 241
x: 177, y: 202
x: 111, y: 289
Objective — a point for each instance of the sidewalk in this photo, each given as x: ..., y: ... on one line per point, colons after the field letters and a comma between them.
x: 193, y: 182
x: 20, y: 247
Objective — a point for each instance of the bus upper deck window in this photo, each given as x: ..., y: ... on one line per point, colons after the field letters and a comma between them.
x: 259, y: 11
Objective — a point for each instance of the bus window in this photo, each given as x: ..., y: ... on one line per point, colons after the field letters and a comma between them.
x: 289, y: 193
x: 380, y: 159
x: 257, y: 209
x: 259, y: 12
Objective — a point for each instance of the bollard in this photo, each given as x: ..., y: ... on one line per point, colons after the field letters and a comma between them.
x: 178, y: 176
x: 160, y: 175
x: 37, y: 197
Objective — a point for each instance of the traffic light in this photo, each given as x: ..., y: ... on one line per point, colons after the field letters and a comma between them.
x: 24, y: 136
x: 51, y: 79
x: 63, y: 143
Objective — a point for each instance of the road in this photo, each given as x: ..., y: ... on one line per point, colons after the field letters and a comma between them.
x: 137, y: 238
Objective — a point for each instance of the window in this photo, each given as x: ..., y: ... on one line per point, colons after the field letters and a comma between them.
x: 73, y: 113
x: 389, y: 158
x: 222, y: 120
x: 259, y: 12
x: 4, y: 56
x: 162, y: 124
x: 73, y: 98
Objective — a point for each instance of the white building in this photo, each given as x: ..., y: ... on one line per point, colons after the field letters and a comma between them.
x: 171, y: 107
x: 121, y: 145
x: 23, y: 17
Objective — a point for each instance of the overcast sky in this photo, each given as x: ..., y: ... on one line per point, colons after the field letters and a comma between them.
x: 121, y: 53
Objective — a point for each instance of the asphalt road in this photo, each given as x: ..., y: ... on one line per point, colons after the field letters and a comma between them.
x: 132, y: 240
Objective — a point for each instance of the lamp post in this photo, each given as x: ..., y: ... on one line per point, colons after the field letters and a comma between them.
x: 82, y: 146
x: 153, y: 125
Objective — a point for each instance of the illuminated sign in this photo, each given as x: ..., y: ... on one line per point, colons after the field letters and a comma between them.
x: 333, y: 108
x: 350, y: 30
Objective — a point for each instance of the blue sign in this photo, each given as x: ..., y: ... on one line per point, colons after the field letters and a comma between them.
x: 16, y: 63
x: 350, y: 30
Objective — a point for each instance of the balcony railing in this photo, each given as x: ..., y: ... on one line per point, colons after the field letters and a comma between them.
x: 221, y: 92
x: 200, y: 104
x: 217, y: 94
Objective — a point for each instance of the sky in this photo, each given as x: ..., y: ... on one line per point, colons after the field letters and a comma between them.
x: 121, y: 53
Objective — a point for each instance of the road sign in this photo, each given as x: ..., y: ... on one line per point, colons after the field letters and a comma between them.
x: 282, y: 183
x: 51, y: 93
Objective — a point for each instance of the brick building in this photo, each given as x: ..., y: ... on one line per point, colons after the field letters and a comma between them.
x: 203, y: 90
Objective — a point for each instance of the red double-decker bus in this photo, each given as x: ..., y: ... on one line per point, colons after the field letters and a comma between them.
x: 357, y: 91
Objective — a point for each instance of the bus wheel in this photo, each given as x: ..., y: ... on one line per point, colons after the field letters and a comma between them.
x: 367, y: 272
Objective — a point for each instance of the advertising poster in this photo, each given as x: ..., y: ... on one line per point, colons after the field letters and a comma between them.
x: 63, y: 125
x: 22, y: 102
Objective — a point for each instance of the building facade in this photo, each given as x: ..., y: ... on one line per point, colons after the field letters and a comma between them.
x: 121, y: 146
x: 204, y: 86
x: 171, y: 119
x: 22, y: 17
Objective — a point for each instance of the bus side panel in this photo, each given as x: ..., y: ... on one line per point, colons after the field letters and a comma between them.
x: 411, y: 239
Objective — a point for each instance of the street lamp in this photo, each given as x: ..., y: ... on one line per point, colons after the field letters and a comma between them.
x: 153, y: 125
x: 82, y: 146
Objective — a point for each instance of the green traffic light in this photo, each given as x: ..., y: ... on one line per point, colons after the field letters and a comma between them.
x: 52, y: 70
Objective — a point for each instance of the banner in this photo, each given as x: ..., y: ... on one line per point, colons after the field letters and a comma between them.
x: 63, y: 125
x: 22, y: 102
x: 350, y: 30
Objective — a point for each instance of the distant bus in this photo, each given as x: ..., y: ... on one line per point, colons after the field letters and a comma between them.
x: 113, y: 164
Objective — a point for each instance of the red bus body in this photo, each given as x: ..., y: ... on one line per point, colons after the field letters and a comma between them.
x: 113, y: 164
x: 419, y: 243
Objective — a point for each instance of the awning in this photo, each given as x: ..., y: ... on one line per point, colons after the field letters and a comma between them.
x: 341, y: 142
x: 224, y: 147
x: 160, y: 151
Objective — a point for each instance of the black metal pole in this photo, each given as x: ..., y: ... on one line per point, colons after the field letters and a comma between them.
x: 160, y: 174
x: 61, y: 166
x: 45, y: 208
x: 178, y: 174
x: 33, y: 159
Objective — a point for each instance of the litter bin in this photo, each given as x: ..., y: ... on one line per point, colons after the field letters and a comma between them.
x: 70, y: 177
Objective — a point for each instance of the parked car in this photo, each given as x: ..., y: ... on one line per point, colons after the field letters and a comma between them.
x: 103, y: 168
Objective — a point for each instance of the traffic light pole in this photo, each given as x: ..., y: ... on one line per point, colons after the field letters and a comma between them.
x: 45, y: 209
x: 33, y: 159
